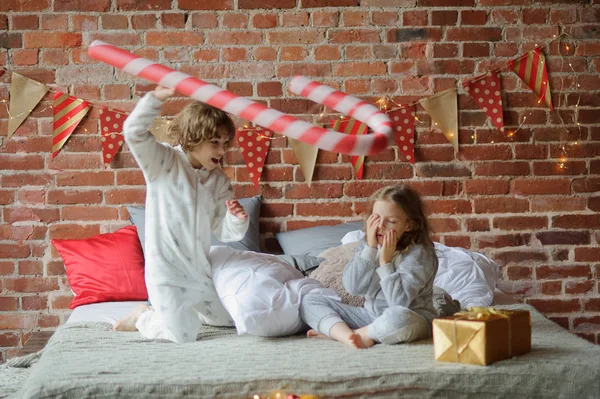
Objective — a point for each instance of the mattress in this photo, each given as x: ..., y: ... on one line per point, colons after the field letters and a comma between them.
x: 109, y: 312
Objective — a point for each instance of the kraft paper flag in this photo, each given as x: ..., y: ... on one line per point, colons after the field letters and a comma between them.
x: 254, y: 143
x: 352, y: 126
x: 111, y: 128
x: 403, y: 123
x: 25, y: 94
x: 307, y: 158
x: 531, y: 68
x: 442, y: 108
x: 68, y: 112
x: 486, y: 92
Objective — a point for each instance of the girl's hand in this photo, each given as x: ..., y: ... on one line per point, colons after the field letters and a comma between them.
x: 372, y: 226
x: 237, y: 210
x: 162, y: 93
x: 388, y: 248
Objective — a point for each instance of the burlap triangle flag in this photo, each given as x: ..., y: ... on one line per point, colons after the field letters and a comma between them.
x: 111, y: 136
x: 403, y: 123
x: 254, y: 143
x: 531, y: 68
x: 306, y: 155
x: 487, y: 93
x: 25, y: 94
x: 352, y: 126
x: 443, y: 110
x: 68, y: 112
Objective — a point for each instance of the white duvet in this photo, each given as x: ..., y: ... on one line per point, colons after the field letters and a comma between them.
x: 261, y: 292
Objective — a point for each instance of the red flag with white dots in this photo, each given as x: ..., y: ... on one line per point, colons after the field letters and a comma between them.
x: 254, y: 143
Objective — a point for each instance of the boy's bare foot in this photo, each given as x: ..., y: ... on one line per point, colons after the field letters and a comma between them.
x: 127, y: 323
x: 315, y: 334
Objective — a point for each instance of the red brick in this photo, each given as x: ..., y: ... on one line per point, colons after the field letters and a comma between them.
x: 555, y: 305
x: 154, y: 5
x: 534, y: 16
x: 325, y: 19
x: 564, y: 237
x: 578, y: 287
x: 73, y: 231
x: 51, y: 39
x: 294, y: 19
x: 467, y: 34
x: 324, y: 209
x: 293, y: 53
x: 267, y: 4
x: 8, y: 304
x: 457, y: 241
x: 592, y: 305
x: 322, y: 3
x: 9, y: 339
x: 276, y: 210
x: 397, y: 35
x: 562, y: 272
x: 88, y: 213
x: 444, y: 225
x: 507, y: 205
x: 473, y: 17
x: 519, y: 273
x: 486, y: 187
x: 521, y: 222
x: 587, y: 254
x: 24, y: 22
x: 540, y: 187
x: 174, y: 38
x: 316, y: 190
x: 269, y: 89
x: 576, y: 222
x: 226, y: 38
x: 12, y: 321
x: 25, y: 57
x: 24, y: 6
x: 22, y: 232
x: 501, y: 241
x: 551, y: 287
x: 31, y: 284
x: 446, y: 17
x: 264, y: 21
x: 37, y: 302
x: 415, y: 18
x: 31, y: 267
x: 235, y: 21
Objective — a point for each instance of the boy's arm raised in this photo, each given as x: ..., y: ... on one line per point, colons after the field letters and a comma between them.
x: 151, y: 156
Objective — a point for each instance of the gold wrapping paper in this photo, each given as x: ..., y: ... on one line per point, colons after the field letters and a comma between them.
x: 482, y: 336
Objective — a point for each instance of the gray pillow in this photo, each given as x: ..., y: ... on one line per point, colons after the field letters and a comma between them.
x: 304, y: 263
x: 250, y: 242
x: 314, y: 240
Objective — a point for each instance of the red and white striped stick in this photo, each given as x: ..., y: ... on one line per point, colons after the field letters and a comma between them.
x: 259, y: 114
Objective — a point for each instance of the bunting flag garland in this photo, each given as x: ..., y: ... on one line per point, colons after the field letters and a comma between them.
x: 307, y: 157
x: 254, y: 143
x: 486, y: 92
x: 352, y: 126
x: 403, y: 123
x: 442, y: 108
x: 25, y: 94
x: 111, y: 128
x: 68, y: 112
x: 532, y: 70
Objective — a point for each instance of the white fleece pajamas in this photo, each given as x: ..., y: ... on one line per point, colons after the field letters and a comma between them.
x: 398, y: 296
x: 183, y: 206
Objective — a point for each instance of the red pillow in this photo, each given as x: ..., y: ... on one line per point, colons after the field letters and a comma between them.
x: 106, y: 267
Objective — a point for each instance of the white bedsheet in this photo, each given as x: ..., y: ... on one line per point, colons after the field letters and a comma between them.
x: 109, y: 312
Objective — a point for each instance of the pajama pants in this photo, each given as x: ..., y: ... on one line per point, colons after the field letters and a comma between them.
x: 178, y: 312
x: 394, y: 325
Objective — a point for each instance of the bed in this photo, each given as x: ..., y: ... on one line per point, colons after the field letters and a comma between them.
x: 85, y: 358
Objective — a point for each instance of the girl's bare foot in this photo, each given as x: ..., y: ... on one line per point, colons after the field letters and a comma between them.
x: 363, y: 333
x: 315, y: 334
x: 127, y: 323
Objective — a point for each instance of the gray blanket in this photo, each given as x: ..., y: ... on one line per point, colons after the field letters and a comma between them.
x: 92, y: 361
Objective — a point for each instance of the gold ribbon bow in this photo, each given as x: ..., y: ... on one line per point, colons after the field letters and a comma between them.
x: 481, y: 313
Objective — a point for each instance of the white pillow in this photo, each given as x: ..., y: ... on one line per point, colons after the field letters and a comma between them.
x: 467, y: 276
x: 261, y: 292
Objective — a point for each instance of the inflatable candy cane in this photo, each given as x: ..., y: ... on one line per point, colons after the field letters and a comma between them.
x: 259, y: 114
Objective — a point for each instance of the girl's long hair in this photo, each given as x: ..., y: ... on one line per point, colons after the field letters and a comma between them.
x: 410, y: 202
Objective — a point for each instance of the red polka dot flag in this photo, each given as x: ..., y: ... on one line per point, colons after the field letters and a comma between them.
x: 403, y: 123
x: 352, y: 126
x: 487, y: 93
x: 254, y: 143
x: 111, y: 128
x: 68, y: 112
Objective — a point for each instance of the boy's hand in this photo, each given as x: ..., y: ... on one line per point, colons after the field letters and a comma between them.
x: 372, y: 226
x: 237, y: 210
x: 162, y: 93
x: 388, y: 248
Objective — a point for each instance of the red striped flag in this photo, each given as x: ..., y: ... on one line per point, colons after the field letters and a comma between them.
x: 68, y: 112
x: 531, y: 68
x: 352, y: 126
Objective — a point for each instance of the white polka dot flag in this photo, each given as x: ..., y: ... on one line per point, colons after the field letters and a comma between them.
x: 354, y: 127
x: 487, y: 93
x: 111, y: 136
x: 68, y: 112
x: 403, y: 124
x: 254, y: 143
x: 531, y: 68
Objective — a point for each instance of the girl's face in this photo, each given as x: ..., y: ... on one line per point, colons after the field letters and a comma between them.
x: 391, y: 217
x: 208, y: 154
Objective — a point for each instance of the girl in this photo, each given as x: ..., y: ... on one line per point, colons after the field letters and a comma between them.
x: 393, y: 268
x: 188, y: 196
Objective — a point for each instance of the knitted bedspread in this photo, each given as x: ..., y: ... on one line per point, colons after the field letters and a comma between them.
x: 89, y: 360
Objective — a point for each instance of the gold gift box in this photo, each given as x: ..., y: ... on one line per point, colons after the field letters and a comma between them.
x: 482, y: 335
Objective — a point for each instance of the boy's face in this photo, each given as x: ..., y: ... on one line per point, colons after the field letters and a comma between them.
x: 208, y: 154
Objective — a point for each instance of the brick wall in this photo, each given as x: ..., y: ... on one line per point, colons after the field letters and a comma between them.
x: 504, y: 196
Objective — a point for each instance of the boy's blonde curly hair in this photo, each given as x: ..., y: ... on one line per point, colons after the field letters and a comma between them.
x: 198, y: 122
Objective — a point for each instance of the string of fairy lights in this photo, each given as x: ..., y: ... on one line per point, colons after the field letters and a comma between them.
x: 566, y: 48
